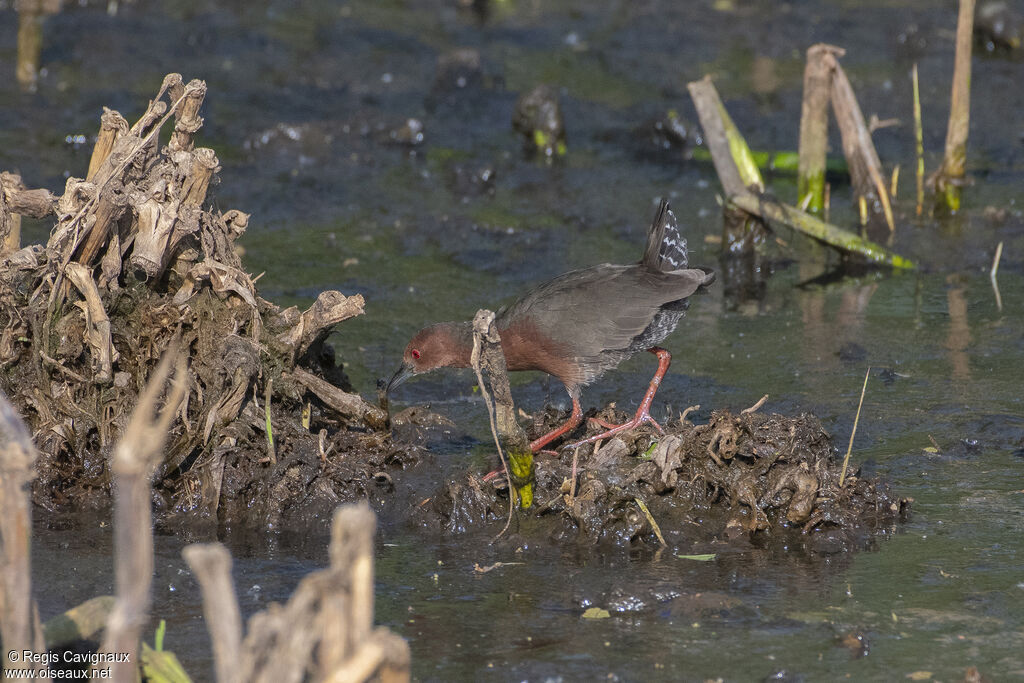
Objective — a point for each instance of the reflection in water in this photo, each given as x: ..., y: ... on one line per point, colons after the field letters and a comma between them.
x: 959, y: 336
x: 30, y: 39
x: 852, y: 308
x: 745, y: 270
x: 826, y: 344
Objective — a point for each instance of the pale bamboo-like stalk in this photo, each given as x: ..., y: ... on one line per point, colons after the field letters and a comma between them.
x: 709, y: 110
x: 19, y: 617
x: 135, y: 456
x: 17, y: 201
x: 112, y: 127
x: 10, y: 225
x: 950, y: 175
x: 188, y: 121
x: 814, y: 127
x: 918, y: 141
x: 211, y: 564
x: 865, y: 167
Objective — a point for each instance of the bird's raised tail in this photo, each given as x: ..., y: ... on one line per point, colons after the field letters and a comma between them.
x: 666, y: 246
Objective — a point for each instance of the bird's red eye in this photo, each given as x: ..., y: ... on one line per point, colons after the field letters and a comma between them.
x: 415, y: 353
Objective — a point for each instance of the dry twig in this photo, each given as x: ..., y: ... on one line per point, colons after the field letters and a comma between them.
x: 853, y: 432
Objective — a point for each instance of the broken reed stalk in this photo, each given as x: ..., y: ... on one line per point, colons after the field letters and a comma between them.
x: 351, y: 554
x: 329, y: 309
x: 17, y: 201
x: 112, y: 169
x: 134, y: 458
x: 10, y: 224
x: 112, y: 127
x: 814, y: 127
x: 858, y: 147
x: 19, y: 616
x: 918, y: 141
x: 188, y: 122
x: 97, y: 323
x: 110, y: 206
x: 211, y: 565
x: 326, y: 627
x: 843, y: 240
x: 950, y: 176
x: 732, y: 156
x: 204, y: 164
x: 650, y: 520
x: 853, y: 432
x: 342, y: 402
x: 709, y: 109
x: 82, y: 622
x: 488, y: 359
x: 267, y: 395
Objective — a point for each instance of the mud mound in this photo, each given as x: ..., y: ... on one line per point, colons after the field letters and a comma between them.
x: 137, y: 260
x: 751, y: 475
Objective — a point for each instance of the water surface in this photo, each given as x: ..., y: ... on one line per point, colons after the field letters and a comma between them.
x: 301, y: 105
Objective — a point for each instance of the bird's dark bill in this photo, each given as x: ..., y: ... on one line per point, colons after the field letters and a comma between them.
x: 404, y: 372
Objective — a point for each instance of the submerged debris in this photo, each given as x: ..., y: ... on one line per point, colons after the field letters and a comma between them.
x: 998, y: 26
x: 538, y: 118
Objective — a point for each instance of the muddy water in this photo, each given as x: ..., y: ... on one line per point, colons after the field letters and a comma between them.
x: 302, y: 106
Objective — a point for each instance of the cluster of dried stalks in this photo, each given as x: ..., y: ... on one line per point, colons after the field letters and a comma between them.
x: 746, y: 195
x: 825, y: 81
x: 325, y: 629
x: 135, y: 260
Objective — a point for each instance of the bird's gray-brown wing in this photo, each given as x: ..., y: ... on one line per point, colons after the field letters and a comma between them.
x: 596, y: 313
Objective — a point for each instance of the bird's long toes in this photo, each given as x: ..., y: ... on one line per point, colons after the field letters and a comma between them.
x: 654, y: 423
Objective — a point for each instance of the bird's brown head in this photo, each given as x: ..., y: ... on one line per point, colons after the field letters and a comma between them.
x: 438, y: 346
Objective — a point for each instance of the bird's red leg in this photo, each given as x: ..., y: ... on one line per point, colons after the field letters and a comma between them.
x: 570, y: 424
x: 643, y: 412
x: 574, y: 420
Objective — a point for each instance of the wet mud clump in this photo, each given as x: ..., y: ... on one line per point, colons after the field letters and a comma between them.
x: 747, y: 477
x: 138, y: 261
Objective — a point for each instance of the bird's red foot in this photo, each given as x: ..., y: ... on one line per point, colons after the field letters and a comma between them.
x: 632, y: 424
x: 641, y: 417
x: 643, y: 412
